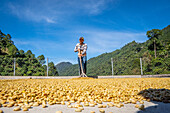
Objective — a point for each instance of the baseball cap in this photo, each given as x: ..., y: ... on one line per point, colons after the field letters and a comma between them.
x: 81, y: 38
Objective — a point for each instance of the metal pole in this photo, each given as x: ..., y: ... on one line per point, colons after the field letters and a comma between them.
x: 141, y: 66
x: 112, y: 66
x: 14, y: 66
x: 47, y: 66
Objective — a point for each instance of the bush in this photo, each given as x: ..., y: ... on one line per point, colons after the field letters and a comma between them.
x: 29, y: 73
x: 4, y: 74
x: 25, y: 74
x: 157, y: 70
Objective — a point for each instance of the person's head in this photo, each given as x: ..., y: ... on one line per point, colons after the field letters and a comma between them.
x: 81, y: 39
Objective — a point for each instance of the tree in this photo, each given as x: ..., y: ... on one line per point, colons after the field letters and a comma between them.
x: 28, y: 53
x: 52, y: 69
x: 41, y: 59
x: 21, y: 53
x: 12, y: 50
x: 1, y: 38
x: 153, y: 36
x: 9, y: 38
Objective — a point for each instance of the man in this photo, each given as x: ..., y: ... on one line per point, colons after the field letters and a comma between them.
x: 81, y: 48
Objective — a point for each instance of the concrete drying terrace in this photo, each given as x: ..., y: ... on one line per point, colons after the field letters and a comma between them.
x: 70, y: 77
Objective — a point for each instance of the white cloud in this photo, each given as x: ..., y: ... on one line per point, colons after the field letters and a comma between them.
x: 50, y: 20
x: 52, y: 11
x: 99, y: 41
x: 38, y: 44
x: 107, y: 41
x: 28, y: 13
x: 95, y: 7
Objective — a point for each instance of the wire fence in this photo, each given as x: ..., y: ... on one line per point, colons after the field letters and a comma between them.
x: 113, y: 66
x: 21, y: 67
x: 121, y: 66
x: 30, y: 66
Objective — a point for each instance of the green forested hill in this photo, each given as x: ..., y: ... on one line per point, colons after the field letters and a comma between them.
x: 61, y: 67
x: 26, y: 62
x: 126, y: 60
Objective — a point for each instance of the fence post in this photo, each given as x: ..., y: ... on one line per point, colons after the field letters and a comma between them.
x: 47, y: 66
x: 14, y: 66
x: 112, y: 66
x: 141, y: 66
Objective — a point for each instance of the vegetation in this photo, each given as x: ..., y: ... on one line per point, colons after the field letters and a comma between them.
x: 62, y: 67
x: 26, y: 62
x: 154, y: 53
x: 153, y: 36
x: 126, y: 60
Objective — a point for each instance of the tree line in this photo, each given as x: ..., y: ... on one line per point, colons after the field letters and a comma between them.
x: 26, y: 62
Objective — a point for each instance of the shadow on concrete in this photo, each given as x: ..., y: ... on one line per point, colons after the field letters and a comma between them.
x: 93, y: 76
x: 161, y: 99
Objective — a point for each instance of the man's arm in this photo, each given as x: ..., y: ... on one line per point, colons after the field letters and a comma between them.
x: 85, y: 49
x: 76, y: 48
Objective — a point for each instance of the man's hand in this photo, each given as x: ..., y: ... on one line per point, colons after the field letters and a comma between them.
x: 80, y: 55
x: 78, y: 49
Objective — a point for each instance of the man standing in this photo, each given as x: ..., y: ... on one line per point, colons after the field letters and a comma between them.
x: 81, y: 48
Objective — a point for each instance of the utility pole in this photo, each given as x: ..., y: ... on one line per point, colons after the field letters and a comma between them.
x: 141, y: 66
x: 47, y: 66
x: 112, y: 66
x: 14, y: 66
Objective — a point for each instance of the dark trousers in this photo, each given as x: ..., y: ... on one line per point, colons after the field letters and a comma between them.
x: 84, y: 64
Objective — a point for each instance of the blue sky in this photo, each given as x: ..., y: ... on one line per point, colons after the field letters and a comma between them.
x: 53, y: 27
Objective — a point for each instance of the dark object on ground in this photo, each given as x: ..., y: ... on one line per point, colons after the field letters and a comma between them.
x: 93, y: 76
